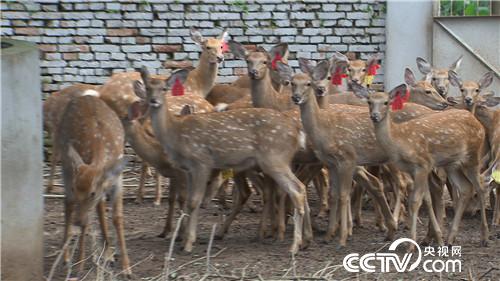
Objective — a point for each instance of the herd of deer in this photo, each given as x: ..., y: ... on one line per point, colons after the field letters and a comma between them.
x: 274, y: 128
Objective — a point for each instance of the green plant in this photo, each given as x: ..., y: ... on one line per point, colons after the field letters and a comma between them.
x: 241, y: 4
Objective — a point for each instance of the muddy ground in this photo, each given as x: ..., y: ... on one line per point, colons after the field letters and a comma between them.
x: 241, y: 257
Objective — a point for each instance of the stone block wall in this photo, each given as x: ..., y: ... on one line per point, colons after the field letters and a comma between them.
x: 86, y: 41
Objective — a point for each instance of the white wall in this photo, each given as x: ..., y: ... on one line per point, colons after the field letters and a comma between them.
x: 21, y: 154
x: 408, y: 35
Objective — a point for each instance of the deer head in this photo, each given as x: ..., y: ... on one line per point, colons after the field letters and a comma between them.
x: 213, y: 48
x: 155, y: 88
x: 302, y: 84
x: 422, y: 92
x: 438, y: 76
x: 319, y: 80
x: 470, y: 90
x: 379, y: 102
x: 356, y: 69
x: 260, y: 61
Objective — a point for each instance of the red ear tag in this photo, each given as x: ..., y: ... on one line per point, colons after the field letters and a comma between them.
x: 337, y: 76
x: 225, y: 46
x: 399, y: 101
x: 277, y: 58
x: 178, y: 88
x: 372, y: 70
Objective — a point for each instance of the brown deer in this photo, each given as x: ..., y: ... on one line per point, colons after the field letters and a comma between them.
x: 438, y: 76
x: 480, y: 102
x: 91, y: 141
x: 240, y: 140
x: 452, y: 140
x: 53, y: 109
x: 342, y: 142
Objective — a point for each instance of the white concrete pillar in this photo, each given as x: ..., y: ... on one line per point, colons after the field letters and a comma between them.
x: 22, y: 178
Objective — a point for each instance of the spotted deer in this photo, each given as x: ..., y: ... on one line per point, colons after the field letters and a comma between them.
x: 452, y: 140
x: 238, y: 140
x: 342, y: 141
x: 438, y: 76
x: 481, y: 103
x: 91, y: 142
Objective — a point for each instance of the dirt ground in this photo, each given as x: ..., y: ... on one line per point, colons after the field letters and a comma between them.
x: 241, y: 257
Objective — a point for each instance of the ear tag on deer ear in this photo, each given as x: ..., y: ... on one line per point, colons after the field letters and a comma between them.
x: 495, y: 175
x: 276, y: 59
x: 337, y: 76
x: 370, y: 74
x: 177, y: 88
x: 225, y: 46
x: 399, y: 101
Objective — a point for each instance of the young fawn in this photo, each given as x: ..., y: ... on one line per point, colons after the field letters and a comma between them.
x: 238, y: 140
x: 452, y: 140
x: 438, y: 76
x: 91, y: 140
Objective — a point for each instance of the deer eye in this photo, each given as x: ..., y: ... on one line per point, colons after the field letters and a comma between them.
x: 369, y: 103
x: 264, y: 62
x: 308, y: 84
x: 428, y: 92
x: 461, y: 89
x: 477, y: 90
x: 386, y: 103
x: 364, y: 69
x: 434, y: 78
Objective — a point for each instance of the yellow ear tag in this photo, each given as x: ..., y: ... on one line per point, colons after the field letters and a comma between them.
x: 496, y: 176
x: 369, y: 79
x: 227, y: 174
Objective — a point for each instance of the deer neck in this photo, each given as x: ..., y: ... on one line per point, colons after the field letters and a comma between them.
x: 263, y: 93
x: 146, y: 146
x: 309, y: 114
x: 164, y: 123
x: 385, y: 137
x: 323, y: 101
x: 204, y: 76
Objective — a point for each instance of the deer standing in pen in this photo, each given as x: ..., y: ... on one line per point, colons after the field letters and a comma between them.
x: 91, y: 142
x: 438, y: 76
x: 240, y: 140
x: 342, y: 142
x: 452, y: 140
x: 480, y: 103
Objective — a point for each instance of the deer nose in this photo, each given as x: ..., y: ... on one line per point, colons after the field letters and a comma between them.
x: 253, y: 73
x: 375, y: 117
x: 321, y: 90
x: 295, y: 99
x: 220, y: 59
x: 356, y: 80
x: 468, y: 100
x: 444, y: 105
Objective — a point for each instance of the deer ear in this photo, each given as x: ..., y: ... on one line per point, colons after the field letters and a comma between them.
x: 187, y: 109
x: 320, y: 72
x: 456, y: 65
x: 423, y: 66
x: 455, y: 80
x: 410, y: 77
x: 285, y: 72
x: 136, y: 110
x: 373, y: 59
x: 139, y: 89
x: 75, y: 158
x: 180, y: 74
x: 237, y: 49
x: 224, y: 36
x: 281, y: 49
x: 338, y: 57
x: 360, y: 91
x: 305, y: 65
x: 486, y: 80
x: 488, y: 99
x: 401, y: 89
x: 144, y: 75
x: 196, y: 36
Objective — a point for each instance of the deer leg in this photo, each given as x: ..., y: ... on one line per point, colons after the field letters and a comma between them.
x: 460, y: 182
x: 68, y: 213
x: 53, y: 162
x: 172, y: 196
x: 101, y: 214
x: 496, y: 210
x: 333, y: 220
x: 376, y: 189
x: 158, y: 191
x: 296, y: 190
x: 345, y: 174
x: 81, y: 247
x: 436, y: 193
x: 281, y: 215
x: 321, y: 184
x: 472, y: 175
x: 142, y: 182
x: 118, y: 223
x: 357, y: 198
x: 415, y: 201
x: 214, y: 187
x: 244, y: 192
x: 198, y: 182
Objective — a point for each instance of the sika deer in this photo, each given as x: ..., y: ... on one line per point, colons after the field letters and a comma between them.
x: 240, y: 140
x: 438, y: 76
x: 91, y: 140
x: 342, y: 142
x: 357, y: 70
x: 452, y: 140
x: 53, y: 109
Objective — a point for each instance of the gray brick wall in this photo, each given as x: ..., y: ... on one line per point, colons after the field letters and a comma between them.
x: 87, y: 42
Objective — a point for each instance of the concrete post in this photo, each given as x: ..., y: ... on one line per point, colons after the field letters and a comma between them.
x: 21, y: 154
x: 408, y: 35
